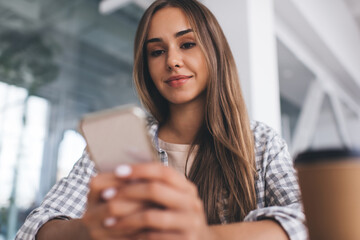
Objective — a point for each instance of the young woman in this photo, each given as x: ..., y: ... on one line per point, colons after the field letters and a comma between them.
x: 229, y: 179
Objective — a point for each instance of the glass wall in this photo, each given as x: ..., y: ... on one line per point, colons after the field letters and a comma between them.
x: 294, y: 81
x: 58, y: 61
x: 312, y: 117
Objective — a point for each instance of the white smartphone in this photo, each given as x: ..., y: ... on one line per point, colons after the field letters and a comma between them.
x: 113, y: 135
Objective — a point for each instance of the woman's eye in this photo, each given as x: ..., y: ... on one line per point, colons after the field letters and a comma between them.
x: 188, y: 45
x: 156, y: 53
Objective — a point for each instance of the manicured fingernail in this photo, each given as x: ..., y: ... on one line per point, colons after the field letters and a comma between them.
x: 109, y: 222
x: 123, y: 171
x: 109, y: 193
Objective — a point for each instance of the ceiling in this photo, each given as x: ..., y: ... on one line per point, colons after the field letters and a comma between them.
x: 294, y: 75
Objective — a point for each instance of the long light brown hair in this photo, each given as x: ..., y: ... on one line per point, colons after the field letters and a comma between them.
x: 224, y: 159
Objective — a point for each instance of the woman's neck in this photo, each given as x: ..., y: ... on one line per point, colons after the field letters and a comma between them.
x: 183, y: 123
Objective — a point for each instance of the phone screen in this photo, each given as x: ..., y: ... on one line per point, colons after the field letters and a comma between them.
x: 111, y: 136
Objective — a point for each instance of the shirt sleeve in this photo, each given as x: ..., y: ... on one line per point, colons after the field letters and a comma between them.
x: 66, y: 200
x: 277, y: 188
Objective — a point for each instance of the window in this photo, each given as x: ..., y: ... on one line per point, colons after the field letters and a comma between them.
x: 70, y: 60
x: 23, y: 126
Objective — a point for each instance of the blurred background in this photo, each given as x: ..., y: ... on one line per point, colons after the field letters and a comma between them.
x: 298, y: 62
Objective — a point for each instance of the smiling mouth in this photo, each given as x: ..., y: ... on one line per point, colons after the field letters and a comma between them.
x: 178, y: 77
x: 177, y: 81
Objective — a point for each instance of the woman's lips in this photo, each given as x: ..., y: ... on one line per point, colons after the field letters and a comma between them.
x: 177, y: 81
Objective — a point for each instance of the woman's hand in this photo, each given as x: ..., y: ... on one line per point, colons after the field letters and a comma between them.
x: 104, y: 204
x: 176, y: 213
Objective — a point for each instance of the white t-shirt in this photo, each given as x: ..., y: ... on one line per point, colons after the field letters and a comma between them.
x: 177, y: 155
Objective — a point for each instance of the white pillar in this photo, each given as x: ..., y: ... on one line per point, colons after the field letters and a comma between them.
x: 249, y: 28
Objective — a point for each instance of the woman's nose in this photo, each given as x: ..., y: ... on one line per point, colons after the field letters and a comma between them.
x: 174, y: 59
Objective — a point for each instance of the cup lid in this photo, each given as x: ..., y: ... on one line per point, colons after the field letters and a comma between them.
x: 326, y: 155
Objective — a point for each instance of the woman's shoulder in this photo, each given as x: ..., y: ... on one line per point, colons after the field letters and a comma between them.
x: 269, y: 145
x: 262, y: 132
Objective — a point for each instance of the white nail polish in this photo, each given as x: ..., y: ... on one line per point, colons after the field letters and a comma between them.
x: 123, y: 171
x: 109, y: 222
x: 109, y: 193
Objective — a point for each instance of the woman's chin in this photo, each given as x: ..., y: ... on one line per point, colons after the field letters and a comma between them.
x: 181, y: 99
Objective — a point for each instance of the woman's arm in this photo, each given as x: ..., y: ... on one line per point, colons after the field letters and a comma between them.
x: 66, y: 200
x: 63, y: 229
x: 76, y: 207
x: 265, y: 229
x: 181, y: 215
x: 104, y: 204
x: 278, y: 193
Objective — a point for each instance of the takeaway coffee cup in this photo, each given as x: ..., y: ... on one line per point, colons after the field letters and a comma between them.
x: 330, y: 186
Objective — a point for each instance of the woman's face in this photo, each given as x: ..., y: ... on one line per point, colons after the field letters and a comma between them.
x: 176, y: 63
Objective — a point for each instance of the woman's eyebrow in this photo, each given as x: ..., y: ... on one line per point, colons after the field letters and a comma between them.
x: 178, y: 34
x: 181, y: 33
x: 153, y: 40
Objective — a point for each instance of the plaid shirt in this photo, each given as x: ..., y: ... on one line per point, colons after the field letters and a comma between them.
x: 277, y: 190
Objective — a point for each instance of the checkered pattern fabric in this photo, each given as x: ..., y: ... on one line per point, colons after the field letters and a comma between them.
x: 277, y: 191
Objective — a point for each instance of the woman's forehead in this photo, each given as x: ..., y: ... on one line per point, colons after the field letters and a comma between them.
x: 169, y: 20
